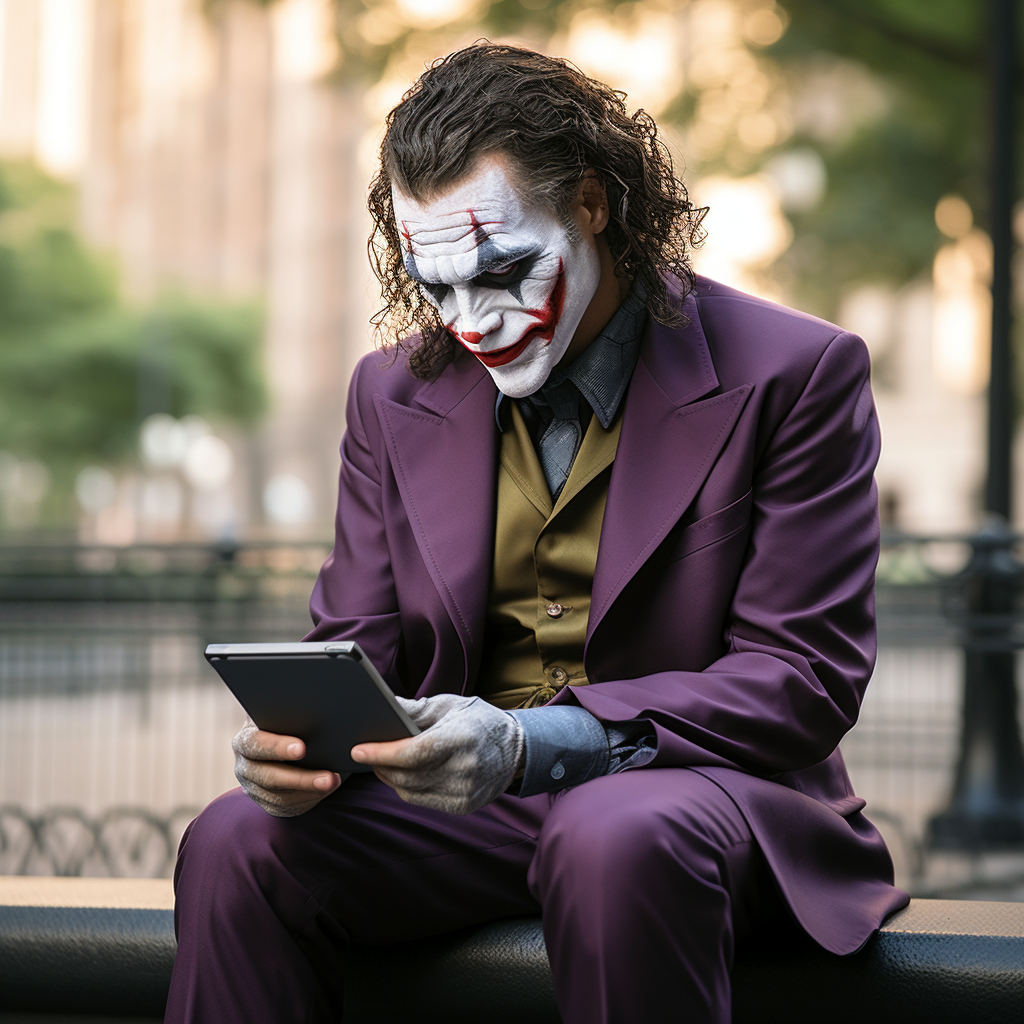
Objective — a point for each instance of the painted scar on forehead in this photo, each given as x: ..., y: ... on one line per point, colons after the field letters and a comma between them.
x: 416, y: 236
x: 479, y: 232
x: 547, y: 320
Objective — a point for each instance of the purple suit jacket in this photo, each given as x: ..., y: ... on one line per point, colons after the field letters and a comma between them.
x: 733, y: 601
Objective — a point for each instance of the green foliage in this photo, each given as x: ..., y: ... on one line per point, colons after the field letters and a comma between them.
x: 79, y: 370
x: 907, y: 39
x: 886, y: 178
x: 75, y: 391
x: 877, y: 219
x: 45, y: 273
x: 369, y: 35
x: 206, y: 360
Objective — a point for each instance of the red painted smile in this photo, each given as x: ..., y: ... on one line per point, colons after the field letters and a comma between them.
x: 547, y: 319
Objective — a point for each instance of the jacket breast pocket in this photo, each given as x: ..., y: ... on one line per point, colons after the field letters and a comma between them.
x: 685, y: 540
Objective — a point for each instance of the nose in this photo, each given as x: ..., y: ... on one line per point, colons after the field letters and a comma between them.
x: 474, y: 322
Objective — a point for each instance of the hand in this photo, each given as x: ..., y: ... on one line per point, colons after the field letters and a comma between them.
x: 281, y: 789
x: 468, y: 754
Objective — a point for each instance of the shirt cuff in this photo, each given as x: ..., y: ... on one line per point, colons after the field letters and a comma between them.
x: 632, y: 744
x: 565, y: 746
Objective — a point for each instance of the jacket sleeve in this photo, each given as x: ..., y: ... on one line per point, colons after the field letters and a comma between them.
x: 354, y: 596
x: 800, y: 631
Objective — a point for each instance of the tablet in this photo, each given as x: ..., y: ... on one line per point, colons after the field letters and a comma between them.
x: 327, y: 694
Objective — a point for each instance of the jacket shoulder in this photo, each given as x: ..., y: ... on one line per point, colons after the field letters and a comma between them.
x: 384, y: 372
x: 751, y: 338
x: 719, y: 304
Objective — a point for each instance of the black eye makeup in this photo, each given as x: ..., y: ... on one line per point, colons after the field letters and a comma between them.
x: 438, y: 292
x: 497, y: 268
x: 507, y: 276
x: 505, y: 271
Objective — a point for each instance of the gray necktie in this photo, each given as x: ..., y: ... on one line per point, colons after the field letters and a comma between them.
x: 558, y: 447
x: 560, y: 442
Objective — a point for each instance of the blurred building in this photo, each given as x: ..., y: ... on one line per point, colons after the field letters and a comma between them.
x: 212, y: 156
x: 930, y: 344
x: 930, y: 473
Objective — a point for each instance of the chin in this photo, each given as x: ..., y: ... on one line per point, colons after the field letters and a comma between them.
x: 530, y: 371
x: 518, y: 387
x: 518, y: 381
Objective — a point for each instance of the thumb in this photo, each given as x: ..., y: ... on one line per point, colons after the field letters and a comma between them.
x: 428, y: 711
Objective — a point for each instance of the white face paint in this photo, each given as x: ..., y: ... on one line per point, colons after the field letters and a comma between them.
x: 510, y: 283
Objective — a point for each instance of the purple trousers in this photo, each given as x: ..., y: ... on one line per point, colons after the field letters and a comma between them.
x: 644, y: 880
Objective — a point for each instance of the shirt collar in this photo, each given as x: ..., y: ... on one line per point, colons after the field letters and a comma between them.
x: 601, y: 372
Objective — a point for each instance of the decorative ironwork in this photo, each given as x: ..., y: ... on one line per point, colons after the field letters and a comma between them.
x: 125, y: 842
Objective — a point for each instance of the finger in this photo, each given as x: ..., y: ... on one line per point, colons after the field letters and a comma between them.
x: 286, y: 778
x: 404, y: 781
x: 283, y: 803
x: 438, y: 801
x: 317, y: 787
x: 259, y: 745
x: 428, y: 711
x: 272, y: 775
x: 421, y: 711
x: 414, y: 752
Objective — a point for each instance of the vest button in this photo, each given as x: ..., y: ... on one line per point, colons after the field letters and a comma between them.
x: 555, y: 611
x: 558, y: 770
x: 559, y: 674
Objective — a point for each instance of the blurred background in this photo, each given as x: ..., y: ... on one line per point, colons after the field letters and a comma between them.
x: 184, y: 292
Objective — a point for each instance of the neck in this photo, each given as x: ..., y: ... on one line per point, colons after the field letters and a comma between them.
x: 611, y: 290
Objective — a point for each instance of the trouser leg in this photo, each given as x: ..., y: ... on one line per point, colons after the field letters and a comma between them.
x: 645, y: 878
x: 264, y: 904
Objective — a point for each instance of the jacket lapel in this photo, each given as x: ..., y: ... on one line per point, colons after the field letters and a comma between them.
x: 670, y: 440
x: 443, y: 450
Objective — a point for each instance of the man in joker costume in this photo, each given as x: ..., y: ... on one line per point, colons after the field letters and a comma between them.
x: 611, y: 529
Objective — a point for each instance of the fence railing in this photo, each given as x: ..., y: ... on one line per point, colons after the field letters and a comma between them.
x: 199, y: 573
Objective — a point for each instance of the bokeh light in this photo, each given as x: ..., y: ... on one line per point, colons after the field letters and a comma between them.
x: 287, y: 500
x: 208, y: 462
x: 953, y: 216
x: 746, y: 231
x: 95, y: 488
x: 963, y: 314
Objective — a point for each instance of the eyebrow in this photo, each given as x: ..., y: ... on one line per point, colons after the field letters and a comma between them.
x: 498, y: 259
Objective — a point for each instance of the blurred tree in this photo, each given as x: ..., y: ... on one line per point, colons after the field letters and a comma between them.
x: 371, y: 32
x: 929, y: 137
x: 78, y: 369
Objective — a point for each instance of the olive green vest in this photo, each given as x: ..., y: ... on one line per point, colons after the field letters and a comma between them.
x: 543, y: 571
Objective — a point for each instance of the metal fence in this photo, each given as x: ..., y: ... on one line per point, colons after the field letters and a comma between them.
x: 114, y: 731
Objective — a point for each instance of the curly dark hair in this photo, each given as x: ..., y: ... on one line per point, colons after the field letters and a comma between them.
x: 555, y: 124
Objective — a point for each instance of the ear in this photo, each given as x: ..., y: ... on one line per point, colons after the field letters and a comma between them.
x: 592, y: 202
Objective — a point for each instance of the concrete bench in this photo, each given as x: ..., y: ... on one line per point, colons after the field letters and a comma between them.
x: 101, y: 950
